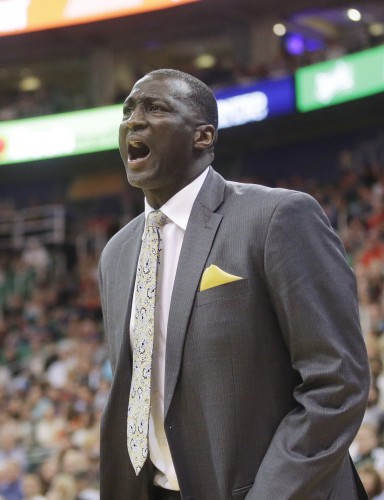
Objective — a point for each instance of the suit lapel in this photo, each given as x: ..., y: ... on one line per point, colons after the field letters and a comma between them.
x: 128, y: 264
x: 198, y: 239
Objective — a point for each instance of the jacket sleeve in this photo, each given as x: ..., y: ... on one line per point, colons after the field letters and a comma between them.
x: 313, y: 291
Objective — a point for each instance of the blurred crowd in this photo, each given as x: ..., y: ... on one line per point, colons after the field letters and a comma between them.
x: 45, y: 100
x: 54, y: 373
x: 54, y: 378
x: 50, y: 99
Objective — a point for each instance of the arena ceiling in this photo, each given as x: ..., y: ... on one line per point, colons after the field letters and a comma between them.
x: 197, y: 19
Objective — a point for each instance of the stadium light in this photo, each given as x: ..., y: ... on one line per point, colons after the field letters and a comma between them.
x: 279, y: 29
x: 354, y: 15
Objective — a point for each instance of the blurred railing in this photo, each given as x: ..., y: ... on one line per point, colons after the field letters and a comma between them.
x: 47, y: 223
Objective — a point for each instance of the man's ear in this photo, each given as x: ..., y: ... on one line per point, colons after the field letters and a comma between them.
x: 205, y: 136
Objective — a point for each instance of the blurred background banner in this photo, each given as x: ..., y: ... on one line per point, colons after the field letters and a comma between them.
x: 93, y: 130
x: 20, y: 16
x: 251, y: 103
x: 344, y: 79
x: 60, y: 135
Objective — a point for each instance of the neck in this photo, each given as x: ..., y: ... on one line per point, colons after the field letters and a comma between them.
x: 157, y: 197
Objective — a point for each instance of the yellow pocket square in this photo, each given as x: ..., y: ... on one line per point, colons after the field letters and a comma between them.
x: 214, y: 276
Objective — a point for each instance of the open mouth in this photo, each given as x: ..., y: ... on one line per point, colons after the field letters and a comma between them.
x: 137, y: 150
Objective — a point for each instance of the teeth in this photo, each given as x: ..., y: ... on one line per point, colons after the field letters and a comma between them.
x: 137, y: 150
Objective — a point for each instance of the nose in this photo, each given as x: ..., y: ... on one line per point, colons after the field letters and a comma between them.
x: 136, y: 119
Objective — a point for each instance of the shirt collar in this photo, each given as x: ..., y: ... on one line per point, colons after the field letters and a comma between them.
x: 179, y: 207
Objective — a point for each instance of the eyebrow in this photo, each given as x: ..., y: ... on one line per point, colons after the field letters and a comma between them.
x: 147, y: 98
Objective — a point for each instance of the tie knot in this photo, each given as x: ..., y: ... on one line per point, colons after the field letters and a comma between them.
x: 156, y: 219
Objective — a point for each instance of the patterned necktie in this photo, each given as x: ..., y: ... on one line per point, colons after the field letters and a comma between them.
x: 143, y: 333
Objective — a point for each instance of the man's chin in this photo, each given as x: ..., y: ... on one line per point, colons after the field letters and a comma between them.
x: 140, y: 179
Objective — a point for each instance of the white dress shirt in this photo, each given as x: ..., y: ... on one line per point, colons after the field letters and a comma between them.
x: 178, y: 210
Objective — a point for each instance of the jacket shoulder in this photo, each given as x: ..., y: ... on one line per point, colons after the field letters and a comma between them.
x: 265, y: 198
x: 118, y: 239
x: 263, y: 192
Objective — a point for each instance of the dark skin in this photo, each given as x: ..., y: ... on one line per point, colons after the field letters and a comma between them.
x: 164, y: 143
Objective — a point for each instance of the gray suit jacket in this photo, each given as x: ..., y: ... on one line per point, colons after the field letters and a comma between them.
x: 266, y: 377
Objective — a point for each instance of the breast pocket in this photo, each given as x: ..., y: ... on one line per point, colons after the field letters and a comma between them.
x: 222, y: 292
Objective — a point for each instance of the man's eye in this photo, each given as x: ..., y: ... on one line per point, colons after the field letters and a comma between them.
x: 127, y: 112
x: 154, y: 107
